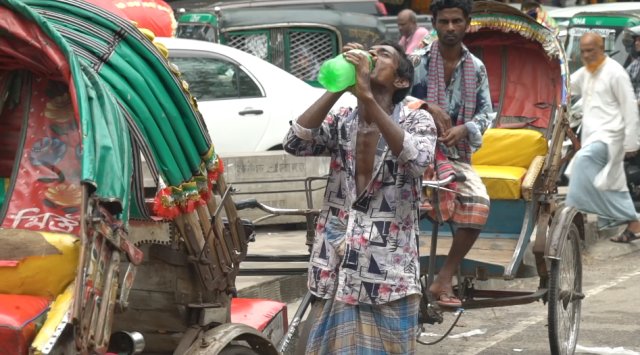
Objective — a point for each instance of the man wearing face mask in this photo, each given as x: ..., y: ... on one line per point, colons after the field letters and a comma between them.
x: 610, y: 128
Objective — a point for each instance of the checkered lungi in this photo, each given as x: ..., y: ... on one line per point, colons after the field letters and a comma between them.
x: 469, y: 207
x: 346, y: 329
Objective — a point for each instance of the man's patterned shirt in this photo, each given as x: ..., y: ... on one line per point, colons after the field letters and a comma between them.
x: 365, y: 247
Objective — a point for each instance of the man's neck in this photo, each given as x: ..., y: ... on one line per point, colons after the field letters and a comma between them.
x: 451, y: 54
x: 383, y: 100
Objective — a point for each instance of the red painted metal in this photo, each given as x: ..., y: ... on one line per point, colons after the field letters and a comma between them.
x: 18, y: 314
x: 256, y: 313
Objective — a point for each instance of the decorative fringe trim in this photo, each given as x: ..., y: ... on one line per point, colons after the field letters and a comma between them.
x: 172, y: 201
x: 538, y: 33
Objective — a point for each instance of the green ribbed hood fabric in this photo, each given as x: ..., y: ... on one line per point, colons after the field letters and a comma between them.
x: 129, y: 99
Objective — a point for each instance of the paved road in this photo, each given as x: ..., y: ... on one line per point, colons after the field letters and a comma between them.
x: 610, y: 313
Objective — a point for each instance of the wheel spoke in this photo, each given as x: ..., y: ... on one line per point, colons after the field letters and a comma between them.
x: 566, y: 294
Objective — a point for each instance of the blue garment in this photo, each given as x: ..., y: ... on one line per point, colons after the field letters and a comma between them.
x: 612, y: 207
x: 344, y: 329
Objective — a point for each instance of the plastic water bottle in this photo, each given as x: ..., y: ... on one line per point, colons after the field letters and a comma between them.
x: 337, y: 74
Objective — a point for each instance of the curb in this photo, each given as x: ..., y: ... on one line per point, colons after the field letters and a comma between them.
x: 598, y: 246
x: 285, y: 289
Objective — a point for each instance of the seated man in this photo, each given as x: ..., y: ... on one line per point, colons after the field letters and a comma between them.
x: 442, y: 75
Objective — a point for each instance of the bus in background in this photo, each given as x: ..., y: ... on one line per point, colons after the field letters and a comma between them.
x: 609, y: 23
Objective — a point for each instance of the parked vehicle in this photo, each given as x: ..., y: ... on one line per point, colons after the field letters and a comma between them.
x: 369, y: 7
x: 294, y: 40
x: 246, y: 102
x: 609, y: 21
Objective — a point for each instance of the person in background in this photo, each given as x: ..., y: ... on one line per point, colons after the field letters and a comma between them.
x: 455, y: 86
x: 411, y: 34
x: 534, y: 9
x: 304, y: 63
x: 364, y: 267
x: 610, y: 127
x: 631, y: 40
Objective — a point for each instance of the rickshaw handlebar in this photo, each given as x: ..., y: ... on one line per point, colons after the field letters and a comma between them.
x: 458, y: 177
x: 253, y: 203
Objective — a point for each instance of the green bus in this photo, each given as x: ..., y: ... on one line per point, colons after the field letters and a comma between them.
x: 609, y: 24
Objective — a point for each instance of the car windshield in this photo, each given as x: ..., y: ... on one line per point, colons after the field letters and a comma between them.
x: 202, y: 32
x: 572, y: 46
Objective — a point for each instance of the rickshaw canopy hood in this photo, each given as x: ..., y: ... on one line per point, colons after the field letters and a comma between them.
x: 127, y: 100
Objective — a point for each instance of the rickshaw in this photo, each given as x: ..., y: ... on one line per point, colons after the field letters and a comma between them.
x: 117, y: 226
x: 519, y: 164
x: 296, y: 40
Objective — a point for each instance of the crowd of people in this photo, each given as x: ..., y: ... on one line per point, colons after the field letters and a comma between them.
x: 368, y: 294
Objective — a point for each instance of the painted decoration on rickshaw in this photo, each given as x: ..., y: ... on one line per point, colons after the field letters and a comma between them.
x: 523, y: 95
x: 47, y: 193
x: 523, y: 28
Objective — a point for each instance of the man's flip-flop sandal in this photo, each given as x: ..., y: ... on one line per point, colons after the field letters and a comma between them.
x: 626, y: 237
x: 450, y: 301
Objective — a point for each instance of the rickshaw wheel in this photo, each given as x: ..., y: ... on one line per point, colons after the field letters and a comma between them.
x: 237, y: 350
x: 565, y: 295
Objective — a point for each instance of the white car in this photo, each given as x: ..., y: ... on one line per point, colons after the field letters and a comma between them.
x: 247, y: 103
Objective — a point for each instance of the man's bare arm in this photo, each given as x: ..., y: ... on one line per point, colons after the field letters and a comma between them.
x: 369, y: 109
x: 392, y: 133
x: 317, y: 112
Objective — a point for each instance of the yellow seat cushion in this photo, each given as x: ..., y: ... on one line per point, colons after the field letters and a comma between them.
x: 502, y: 182
x: 510, y: 147
x: 37, y: 263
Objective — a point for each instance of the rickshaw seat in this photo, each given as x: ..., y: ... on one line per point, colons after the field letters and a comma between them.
x: 37, y: 263
x: 506, y: 158
x: 19, y: 319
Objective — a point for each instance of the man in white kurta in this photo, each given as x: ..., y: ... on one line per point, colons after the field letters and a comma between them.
x: 610, y: 131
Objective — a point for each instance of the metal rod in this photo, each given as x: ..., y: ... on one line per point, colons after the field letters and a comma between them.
x: 273, y: 271
x: 277, y: 258
x: 505, y: 301
x: 222, y: 199
x: 432, y: 255
x: 434, y: 241
x: 283, y: 344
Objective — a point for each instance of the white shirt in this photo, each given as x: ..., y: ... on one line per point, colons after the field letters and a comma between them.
x: 610, y: 116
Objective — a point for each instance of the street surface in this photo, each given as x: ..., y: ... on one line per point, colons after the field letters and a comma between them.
x: 610, y: 313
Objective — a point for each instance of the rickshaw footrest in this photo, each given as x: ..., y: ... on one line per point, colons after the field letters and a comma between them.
x: 491, y: 298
